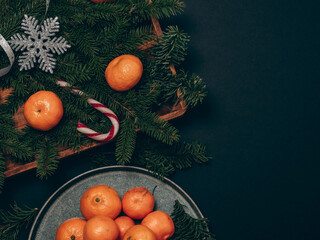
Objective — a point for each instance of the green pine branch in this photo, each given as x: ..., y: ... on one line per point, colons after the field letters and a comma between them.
x: 192, y: 89
x: 15, y: 220
x: 157, y: 8
x: 47, y: 159
x: 187, y: 227
x: 158, y: 164
x: 164, y: 160
x: 10, y: 139
x: 172, y: 47
x: 101, y: 159
x: 152, y: 125
x: 126, y: 142
x: 2, y: 169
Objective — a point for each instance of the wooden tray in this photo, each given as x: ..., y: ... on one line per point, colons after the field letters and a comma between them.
x: 166, y: 113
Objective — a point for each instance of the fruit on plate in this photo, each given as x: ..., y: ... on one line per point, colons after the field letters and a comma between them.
x: 101, y: 206
x: 43, y: 110
x: 71, y: 229
x: 124, y: 72
x: 160, y: 223
x: 137, y: 202
x: 100, y: 200
x: 124, y: 224
x: 100, y: 228
x: 139, y: 232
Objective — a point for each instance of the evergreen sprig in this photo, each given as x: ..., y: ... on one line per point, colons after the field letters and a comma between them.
x: 10, y: 143
x: 47, y: 159
x: 187, y: 227
x: 126, y: 141
x: 150, y: 123
x: 172, y: 47
x: 162, y: 160
x: 15, y: 220
x: 2, y: 169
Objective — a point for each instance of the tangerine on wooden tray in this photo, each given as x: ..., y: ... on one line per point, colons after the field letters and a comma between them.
x: 43, y: 110
x: 124, y: 72
x: 137, y: 202
x: 100, y: 228
x: 71, y: 229
x: 124, y: 224
x: 100, y: 200
x: 160, y: 223
x: 139, y: 232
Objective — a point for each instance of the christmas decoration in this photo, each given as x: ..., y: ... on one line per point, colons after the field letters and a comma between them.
x: 4, y: 44
x: 98, y: 33
x: 39, y: 43
x: 100, y: 107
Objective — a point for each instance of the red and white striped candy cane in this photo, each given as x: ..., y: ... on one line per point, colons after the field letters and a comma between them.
x: 100, y: 107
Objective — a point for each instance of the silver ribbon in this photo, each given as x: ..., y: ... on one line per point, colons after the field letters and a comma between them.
x: 6, y: 47
x: 47, y: 7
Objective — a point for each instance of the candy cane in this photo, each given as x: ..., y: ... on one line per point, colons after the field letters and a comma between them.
x: 100, y: 107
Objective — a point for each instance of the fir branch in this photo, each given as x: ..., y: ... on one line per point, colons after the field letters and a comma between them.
x: 14, y: 220
x: 157, y: 8
x: 47, y: 159
x: 157, y: 163
x: 172, y: 47
x: 101, y: 159
x: 187, y: 153
x: 187, y: 227
x: 163, y: 161
x: 10, y: 139
x: 126, y: 142
x: 2, y: 169
x: 152, y: 125
x: 192, y: 89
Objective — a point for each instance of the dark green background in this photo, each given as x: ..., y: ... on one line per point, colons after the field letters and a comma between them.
x: 260, y: 121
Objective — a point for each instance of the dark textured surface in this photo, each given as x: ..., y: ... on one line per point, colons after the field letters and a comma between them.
x: 260, y: 121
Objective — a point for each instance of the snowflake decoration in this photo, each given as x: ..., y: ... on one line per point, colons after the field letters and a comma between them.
x: 38, y: 43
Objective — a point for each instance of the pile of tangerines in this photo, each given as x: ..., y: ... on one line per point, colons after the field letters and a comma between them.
x: 107, y: 217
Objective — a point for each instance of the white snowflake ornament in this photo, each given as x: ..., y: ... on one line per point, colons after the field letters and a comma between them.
x: 38, y: 43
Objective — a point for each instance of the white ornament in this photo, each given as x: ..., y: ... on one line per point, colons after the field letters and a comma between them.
x: 38, y: 43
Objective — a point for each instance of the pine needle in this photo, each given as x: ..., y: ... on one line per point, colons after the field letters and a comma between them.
x: 126, y: 142
x: 47, y: 160
x: 14, y: 220
x: 2, y: 169
x: 187, y: 227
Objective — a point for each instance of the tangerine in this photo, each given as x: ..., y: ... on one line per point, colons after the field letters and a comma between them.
x: 160, y: 223
x: 137, y: 202
x: 139, y: 232
x: 43, y: 110
x: 71, y: 229
x: 100, y: 200
x: 124, y: 223
x: 100, y: 228
x: 124, y: 72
